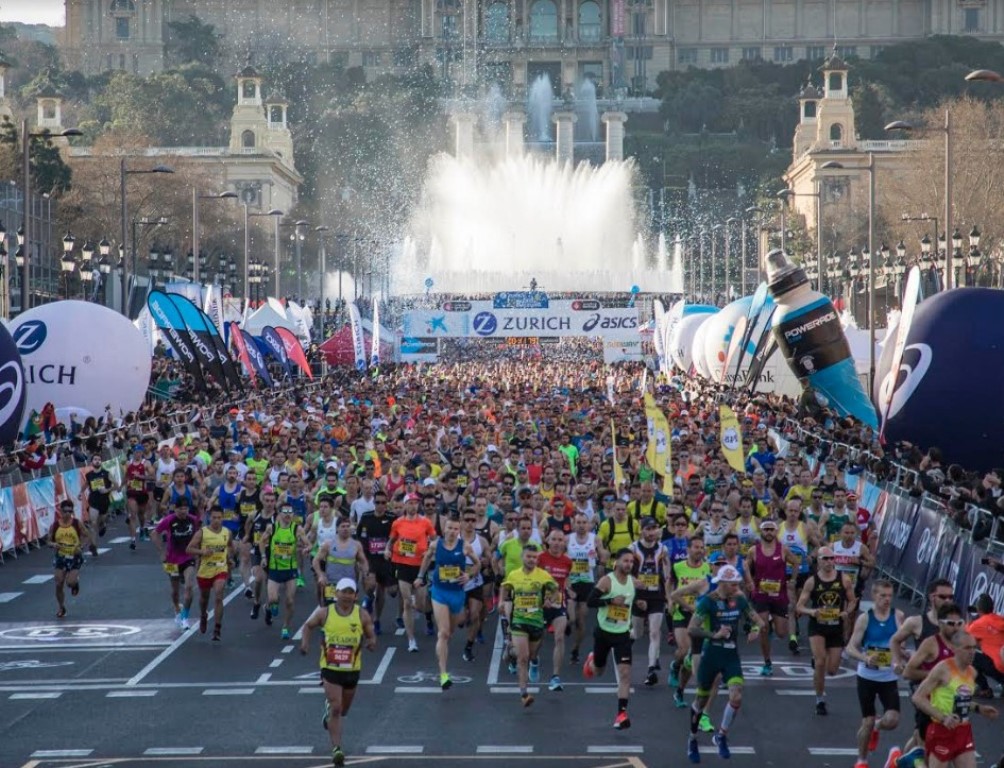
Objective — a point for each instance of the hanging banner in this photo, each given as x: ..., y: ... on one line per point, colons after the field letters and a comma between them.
x: 256, y: 358
x: 731, y: 439
x: 77, y: 354
x: 237, y: 339
x: 375, y: 347
x: 294, y: 351
x: 213, y: 305
x: 199, y: 333
x: 229, y: 368
x: 191, y: 291
x: 358, y: 349
x: 13, y: 391
x: 168, y: 319
x: 276, y: 347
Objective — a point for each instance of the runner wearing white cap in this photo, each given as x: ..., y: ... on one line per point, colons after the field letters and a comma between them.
x: 344, y: 628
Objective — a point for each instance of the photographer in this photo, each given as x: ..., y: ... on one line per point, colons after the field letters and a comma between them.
x: 988, y: 629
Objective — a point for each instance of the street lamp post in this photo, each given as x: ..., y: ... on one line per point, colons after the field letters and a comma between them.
x: 196, y: 235
x: 4, y: 275
x: 125, y: 172
x: 323, y: 265
x: 754, y: 211
x: 67, y: 263
x: 247, y: 244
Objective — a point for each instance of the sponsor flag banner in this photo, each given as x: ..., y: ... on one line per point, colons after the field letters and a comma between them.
x: 7, y: 519
x: 358, y: 348
x: 191, y: 291
x: 256, y: 357
x: 375, y: 346
x: 229, y: 368
x: 42, y: 500
x: 214, y: 305
x: 731, y: 438
x: 198, y: 331
x: 168, y: 319
x: 78, y: 354
x: 237, y: 339
x: 898, y: 523
x: 13, y: 389
x: 273, y: 341
x: 294, y: 350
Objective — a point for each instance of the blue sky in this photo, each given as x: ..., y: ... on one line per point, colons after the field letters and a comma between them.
x: 33, y: 11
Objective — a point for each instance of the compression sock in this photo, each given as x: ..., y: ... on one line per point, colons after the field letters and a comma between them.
x: 695, y: 718
x: 728, y: 717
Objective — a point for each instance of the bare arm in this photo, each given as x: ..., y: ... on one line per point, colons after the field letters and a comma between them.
x: 315, y: 621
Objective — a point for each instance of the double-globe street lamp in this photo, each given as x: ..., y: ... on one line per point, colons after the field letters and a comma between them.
x: 124, y: 173
x: 277, y: 214
x: 196, y: 234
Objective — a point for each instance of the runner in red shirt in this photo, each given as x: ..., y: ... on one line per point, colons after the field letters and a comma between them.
x: 559, y: 566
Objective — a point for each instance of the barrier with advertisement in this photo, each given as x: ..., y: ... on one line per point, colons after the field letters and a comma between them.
x: 483, y: 319
x: 28, y: 510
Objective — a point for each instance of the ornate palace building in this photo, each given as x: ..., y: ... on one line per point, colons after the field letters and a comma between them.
x: 622, y: 43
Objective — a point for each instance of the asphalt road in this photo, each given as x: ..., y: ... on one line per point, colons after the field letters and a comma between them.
x: 116, y: 683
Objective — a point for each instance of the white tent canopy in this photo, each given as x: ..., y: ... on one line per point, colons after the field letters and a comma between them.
x: 266, y: 315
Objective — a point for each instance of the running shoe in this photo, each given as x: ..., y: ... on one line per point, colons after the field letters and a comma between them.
x: 468, y: 652
x: 674, y: 676
x: 588, y: 671
x: 61, y: 612
x: 268, y: 616
x: 93, y: 550
x: 651, y: 678
x: 249, y: 593
x: 324, y: 717
x: 367, y: 604
x: 622, y: 722
x: 203, y: 623
x: 511, y: 668
x: 678, y: 699
x: 861, y: 764
x: 430, y: 628
x: 911, y: 758
x: 574, y: 657
x: 337, y: 756
x: 527, y: 699
x: 693, y: 751
x: 300, y: 583
x: 534, y: 671
x: 412, y: 646
x: 895, y: 753
x: 101, y: 530
x: 688, y: 661
x: 873, y: 740
x: 75, y: 589
x: 480, y: 638
x: 399, y: 622
x: 793, y: 644
x: 255, y: 611
x: 285, y: 633
x: 216, y: 633
x: 273, y: 608
x: 721, y: 741
x: 555, y: 684
x: 821, y: 708
x: 767, y: 669
x: 377, y: 629
x: 444, y: 681
x: 132, y: 543
x: 705, y: 724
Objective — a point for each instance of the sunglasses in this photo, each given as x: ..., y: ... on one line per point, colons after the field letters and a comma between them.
x: 825, y: 557
x: 952, y: 622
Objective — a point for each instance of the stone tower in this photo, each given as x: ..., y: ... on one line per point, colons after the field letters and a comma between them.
x: 835, y: 114
x: 248, y: 124
x: 808, y: 108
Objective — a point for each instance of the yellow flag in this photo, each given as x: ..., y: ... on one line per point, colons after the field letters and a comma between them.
x: 618, y: 470
x: 732, y: 439
x: 659, y: 451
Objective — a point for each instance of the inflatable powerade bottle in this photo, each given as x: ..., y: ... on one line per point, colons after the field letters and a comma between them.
x: 811, y: 339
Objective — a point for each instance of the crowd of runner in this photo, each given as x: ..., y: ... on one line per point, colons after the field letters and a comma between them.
x: 439, y: 498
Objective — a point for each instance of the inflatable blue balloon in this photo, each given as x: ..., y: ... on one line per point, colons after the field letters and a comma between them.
x: 948, y: 392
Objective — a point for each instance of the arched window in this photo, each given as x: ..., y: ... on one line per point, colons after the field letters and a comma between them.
x: 836, y: 81
x: 836, y: 132
x: 810, y: 109
x: 497, y: 23
x: 248, y: 140
x: 590, y: 26
x: 544, y: 21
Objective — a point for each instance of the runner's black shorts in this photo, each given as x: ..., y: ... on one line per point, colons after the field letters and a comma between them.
x: 685, y: 621
x: 550, y: 614
x: 834, y: 636
x: 406, y: 573
x: 347, y: 680
x: 887, y: 693
x: 653, y: 605
x: 618, y: 643
x: 581, y: 589
x: 140, y: 497
x: 475, y: 594
x: 383, y: 571
x: 533, y: 634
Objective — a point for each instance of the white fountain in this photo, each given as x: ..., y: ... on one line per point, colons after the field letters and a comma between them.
x: 540, y: 108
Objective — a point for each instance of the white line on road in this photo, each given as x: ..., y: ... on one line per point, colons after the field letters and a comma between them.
x: 40, y: 579
x: 130, y: 694
x: 169, y: 751
x: 496, y: 662
x: 166, y: 653
x: 103, y: 550
x: 511, y: 689
x: 795, y: 692
x: 36, y: 695
x: 276, y: 663
x: 616, y: 749
x: 264, y: 677
x: 389, y: 750
x: 316, y: 689
x: 602, y: 688
x: 6, y: 597
x: 381, y: 669
x: 288, y: 649
x: 62, y: 753
x: 833, y: 751
x: 228, y: 691
x: 417, y: 689
x: 120, y: 540
x: 707, y: 749
x: 399, y: 632
x: 284, y: 750
x: 504, y: 750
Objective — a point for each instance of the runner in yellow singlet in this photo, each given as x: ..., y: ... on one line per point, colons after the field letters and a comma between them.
x: 214, y: 547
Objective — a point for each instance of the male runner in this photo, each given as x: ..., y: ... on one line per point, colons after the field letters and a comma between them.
x: 474, y: 596
x: 767, y: 582
x: 254, y: 531
x: 651, y: 566
x: 339, y: 558
x: 176, y: 530
x: 281, y: 541
x: 137, y: 472
x: 374, y: 533
x: 67, y: 536
x: 586, y: 550
x: 98, y: 497
x: 409, y: 540
x: 694, y: 569
x: 556, y: 562
x: 214, y: 547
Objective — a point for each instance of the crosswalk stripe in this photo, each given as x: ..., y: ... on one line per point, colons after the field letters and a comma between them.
x: 616, y: 749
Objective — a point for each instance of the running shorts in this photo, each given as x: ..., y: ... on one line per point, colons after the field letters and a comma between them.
x: 451, y: 598
x: 773, y: 606
x: 619, y: 643
x: 206, y: 584
x: 653, y: 605
x: 64, y: 563
x: 346, y: 679
x: 281, y: 577
x: 869, y: 690
x: 406, y: 573
x: 533, y: 634
x: 834, y: 636
x: 946, y: 744
x: 718, y: 660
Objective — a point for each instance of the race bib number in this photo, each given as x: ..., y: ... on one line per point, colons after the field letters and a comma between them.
x: 649, y: 581
x: 256, y: 537
x: 882, y: 656
x: 283, y: 550
x: 617, y: 613
x: 963, y: 702
x: 526, y: 603
x: 377, y: 546
x: 171, y: 569
x: 449, y: 572
x: 136, y: 484
x: 771, y: 587
x: 580, y: 567
x: 229, y: 514
x: 407, y: 547
x: 330, y: 593
x: 339, y: 656
x: 97, y: 485
x: 828, y: 615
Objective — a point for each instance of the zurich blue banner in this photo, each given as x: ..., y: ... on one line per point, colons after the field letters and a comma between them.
x: 276, y: 347
x: 169, y: 320
x: 255, y: 355
x: 13, y: 393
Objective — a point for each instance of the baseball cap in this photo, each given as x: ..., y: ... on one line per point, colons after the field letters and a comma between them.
x: 649, y: 522
x: 428, y: 482
x: 411, y: 497
x: 727, y: 574
x: 346, y: 584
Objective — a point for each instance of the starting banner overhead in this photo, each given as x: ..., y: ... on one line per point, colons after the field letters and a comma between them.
x: 485, y: 319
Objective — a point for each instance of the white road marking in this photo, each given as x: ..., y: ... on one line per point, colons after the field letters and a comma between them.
x: 504, y: 750
x: 284, y: 750
x: 276, y: 663
x: 316, y: 689
x: 6, y: 597
x: 168, y: 751
x: 602, y: 688
x: 616, y: 749
x: 36, y: 695
x: 417, y: 689
x: 833, y: 751
x: 796, y: 692
x: 381, y: 669
x: 103, y: 550
x: 264, y: 677
x: 62, y: 753
x: 288, y: 649
x: 120, y: 540
x: 399, y: 632
x: 394, y: 750
x: 496, y: 662
x: 511, y: 689
x: 131, y: 694
x: 166, y: 653
x: 42, y: 578
x: 228, y: 691
x: 707, y: 749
